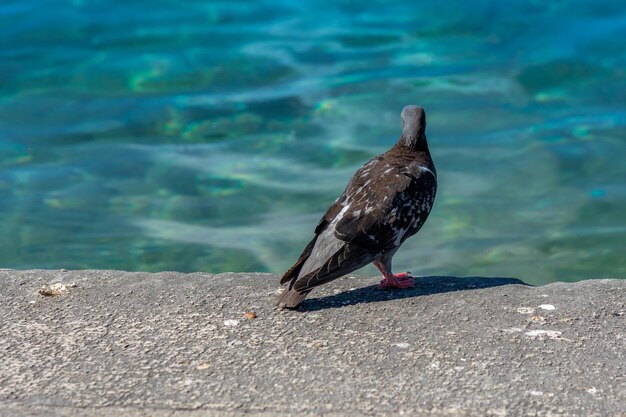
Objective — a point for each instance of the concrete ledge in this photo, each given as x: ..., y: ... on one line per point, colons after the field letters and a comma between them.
x: 171, y: 344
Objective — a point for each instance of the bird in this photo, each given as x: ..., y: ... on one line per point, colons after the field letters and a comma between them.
x: 385, y: 202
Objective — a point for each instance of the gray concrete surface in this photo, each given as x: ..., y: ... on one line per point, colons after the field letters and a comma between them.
x: 171, y: 344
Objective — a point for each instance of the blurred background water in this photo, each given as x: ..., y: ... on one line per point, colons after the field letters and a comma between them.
x: 211, y: 136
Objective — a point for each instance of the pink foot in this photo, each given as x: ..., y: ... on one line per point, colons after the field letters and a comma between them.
x: 401, y: 280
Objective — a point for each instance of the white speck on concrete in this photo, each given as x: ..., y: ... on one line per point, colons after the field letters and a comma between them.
x: 542, y: 334
x: 594, y: 392
x: 231, y: 323
x: 512, y: 330
x: 536, y: 393
x: 547, y: 307
x: 402, y: 345
x: 526, y: 310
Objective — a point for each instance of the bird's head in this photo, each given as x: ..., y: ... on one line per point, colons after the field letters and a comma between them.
x: 413, y: 128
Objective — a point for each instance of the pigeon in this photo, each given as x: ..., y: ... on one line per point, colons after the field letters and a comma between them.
x: 387, y: 200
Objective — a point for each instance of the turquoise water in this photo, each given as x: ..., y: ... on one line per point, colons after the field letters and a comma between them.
x: 211, y: 136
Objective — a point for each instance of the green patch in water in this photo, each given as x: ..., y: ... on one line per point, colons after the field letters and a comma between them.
x: 367, y: 40
x: 557, y: 73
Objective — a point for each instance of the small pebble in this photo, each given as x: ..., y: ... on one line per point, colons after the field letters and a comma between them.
x: 55, y: 289
x: 250, y: 315
x: 319, y: 344
x: 547, y: 307
x: 231, y: 323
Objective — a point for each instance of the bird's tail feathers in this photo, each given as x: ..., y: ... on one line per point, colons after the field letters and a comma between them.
x: 291, y: 299
x: 295, y: 269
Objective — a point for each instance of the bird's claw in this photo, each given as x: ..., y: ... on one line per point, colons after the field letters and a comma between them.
x: 402, y: 280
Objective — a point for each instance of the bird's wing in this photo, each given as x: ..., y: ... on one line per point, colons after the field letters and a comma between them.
x: 330, y: 214
x: 391, y: 210
x: 322, y: 247
x: 347, y: 258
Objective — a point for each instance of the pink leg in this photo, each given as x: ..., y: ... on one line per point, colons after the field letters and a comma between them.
x: 401, y: 280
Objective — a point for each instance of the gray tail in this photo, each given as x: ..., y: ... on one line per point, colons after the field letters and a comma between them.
x: 291, y: 299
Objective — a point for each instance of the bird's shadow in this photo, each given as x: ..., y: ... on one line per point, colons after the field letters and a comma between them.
x: 423, y: 286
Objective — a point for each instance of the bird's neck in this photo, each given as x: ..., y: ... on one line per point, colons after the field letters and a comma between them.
x: 419, y: 153
x: 412, y: 145
x: 415, y: 143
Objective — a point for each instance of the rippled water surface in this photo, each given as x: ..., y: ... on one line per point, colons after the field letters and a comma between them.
x: 211, y: 136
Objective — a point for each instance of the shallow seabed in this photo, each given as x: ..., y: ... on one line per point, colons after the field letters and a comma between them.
x: 211, y: 136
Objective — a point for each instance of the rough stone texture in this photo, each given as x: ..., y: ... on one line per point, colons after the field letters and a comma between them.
x: 172, y: 344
